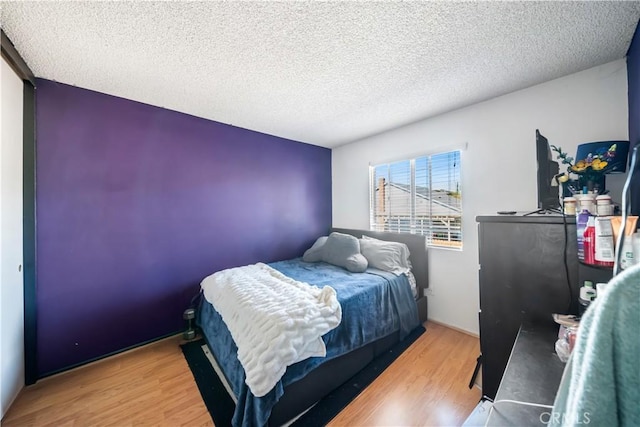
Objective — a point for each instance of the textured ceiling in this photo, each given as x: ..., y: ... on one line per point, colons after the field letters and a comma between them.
x: 325, y: 73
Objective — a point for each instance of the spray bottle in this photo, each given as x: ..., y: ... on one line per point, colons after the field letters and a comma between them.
x: 589, y: 242
x: 581, y: 224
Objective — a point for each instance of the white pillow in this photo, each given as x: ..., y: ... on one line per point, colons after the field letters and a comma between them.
x: 387, y: 256
x: 406, y: 263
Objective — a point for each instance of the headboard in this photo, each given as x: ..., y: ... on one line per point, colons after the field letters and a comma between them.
x: 417, y: 247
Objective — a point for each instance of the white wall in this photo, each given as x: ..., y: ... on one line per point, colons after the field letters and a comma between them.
x: 498, y: 168
x: 11, y: 276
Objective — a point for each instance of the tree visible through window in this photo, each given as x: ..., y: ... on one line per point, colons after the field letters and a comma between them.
x: 419, y: 196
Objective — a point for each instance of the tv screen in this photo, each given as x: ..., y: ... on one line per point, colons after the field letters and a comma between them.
x: 547, y: 170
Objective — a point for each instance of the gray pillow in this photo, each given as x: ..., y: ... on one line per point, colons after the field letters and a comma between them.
x: 343, y: 250
x: 314, y: 253
x: 356, y: 263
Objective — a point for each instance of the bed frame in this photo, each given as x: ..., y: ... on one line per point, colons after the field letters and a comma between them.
x: 302, y: 394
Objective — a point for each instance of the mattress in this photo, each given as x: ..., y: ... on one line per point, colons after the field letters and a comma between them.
x: 374, y: 304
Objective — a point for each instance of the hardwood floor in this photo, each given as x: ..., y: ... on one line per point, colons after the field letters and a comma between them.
x: 152, y: 385
x: 428, y: 385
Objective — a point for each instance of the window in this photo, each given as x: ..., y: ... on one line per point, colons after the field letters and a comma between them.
x: 419, y: 196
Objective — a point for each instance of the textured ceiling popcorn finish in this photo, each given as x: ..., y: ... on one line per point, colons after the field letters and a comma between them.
x: 325, y: 73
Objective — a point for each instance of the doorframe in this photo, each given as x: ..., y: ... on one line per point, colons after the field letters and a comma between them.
x: 15, y: 61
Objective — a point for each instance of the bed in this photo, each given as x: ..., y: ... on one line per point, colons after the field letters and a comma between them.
x: 362, y: 334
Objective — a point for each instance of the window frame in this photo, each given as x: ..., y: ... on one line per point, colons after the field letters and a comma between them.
x: 428, y: 231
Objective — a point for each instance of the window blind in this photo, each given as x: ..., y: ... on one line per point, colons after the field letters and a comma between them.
x: 419, y: 196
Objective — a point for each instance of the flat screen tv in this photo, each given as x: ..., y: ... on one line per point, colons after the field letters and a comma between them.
x: 548, y: 195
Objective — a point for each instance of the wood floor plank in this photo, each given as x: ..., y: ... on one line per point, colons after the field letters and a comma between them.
x: 426, y: 386
x: 152, y: 385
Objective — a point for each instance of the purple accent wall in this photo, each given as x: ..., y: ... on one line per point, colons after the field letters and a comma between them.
x: 137, y: 204
x: 633, y: 79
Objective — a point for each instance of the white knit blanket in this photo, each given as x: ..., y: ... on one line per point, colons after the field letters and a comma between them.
x: 274, y: 320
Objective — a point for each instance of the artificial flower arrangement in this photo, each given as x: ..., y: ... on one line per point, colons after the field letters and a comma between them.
x: 590, y: 170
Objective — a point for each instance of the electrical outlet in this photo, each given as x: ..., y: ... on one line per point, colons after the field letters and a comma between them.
x: 428, y: 292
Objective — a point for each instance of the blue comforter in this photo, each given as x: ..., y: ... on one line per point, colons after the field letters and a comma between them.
x: 374, y: 304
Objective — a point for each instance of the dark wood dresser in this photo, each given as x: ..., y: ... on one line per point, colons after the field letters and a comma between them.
x: 523, y: 280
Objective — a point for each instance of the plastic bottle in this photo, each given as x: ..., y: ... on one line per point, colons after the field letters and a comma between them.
x: 603, y: 205
x: 589, y: 285
x: 587, y: 202
x: 587, y: 295
x: 627, y: 258
x: 589, y: 241
x: 569, y: 205
x: 603, y: 244
x: 581, y: 224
